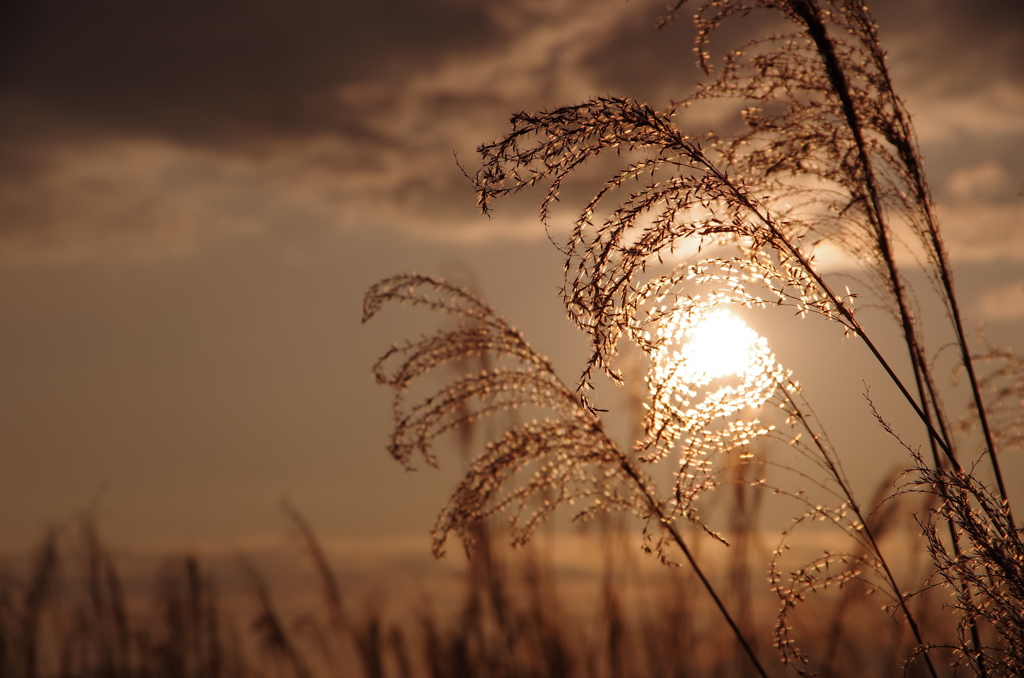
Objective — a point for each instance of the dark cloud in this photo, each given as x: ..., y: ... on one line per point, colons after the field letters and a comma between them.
x: 344, y: 114
x: 221, y: 70
x: 952, y: 46
x: 115, y: 114
x: 215, y: 72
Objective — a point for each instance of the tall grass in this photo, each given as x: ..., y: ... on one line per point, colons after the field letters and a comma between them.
x: 826, y: 158
x: 70, y: 611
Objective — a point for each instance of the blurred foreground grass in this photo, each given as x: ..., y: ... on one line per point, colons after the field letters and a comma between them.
x: 589, y: 605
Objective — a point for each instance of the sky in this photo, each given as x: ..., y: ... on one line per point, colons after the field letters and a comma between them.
x: 194, y: 198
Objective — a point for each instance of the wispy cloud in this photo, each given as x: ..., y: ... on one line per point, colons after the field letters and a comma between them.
x: 992, y: 112
x: 982, y: 212
x: 148, y: 131
x: 1003, y: 303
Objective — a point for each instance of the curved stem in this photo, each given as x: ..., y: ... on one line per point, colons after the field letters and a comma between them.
x: 809, y: 13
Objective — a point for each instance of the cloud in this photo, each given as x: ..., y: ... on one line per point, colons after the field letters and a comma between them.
x: 987, y: 180
x: 981, y: 212
x: 994, y: 111
x: 949, y: 48
x: 167, y: 129
x: 140, y: 131
x: 981, y: 232
x: 1002, y: 303
x: 224, y: 73
x: 143, y: 198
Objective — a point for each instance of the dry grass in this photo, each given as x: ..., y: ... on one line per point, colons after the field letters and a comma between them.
x: 826, y: 156
x: 515, y: 614
x: 924, y: 578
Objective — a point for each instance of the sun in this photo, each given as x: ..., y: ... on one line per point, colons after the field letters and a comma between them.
x: 719, y: 345
x: 708, y: 364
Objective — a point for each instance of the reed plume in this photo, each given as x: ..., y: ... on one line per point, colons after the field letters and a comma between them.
x: 826, y: 158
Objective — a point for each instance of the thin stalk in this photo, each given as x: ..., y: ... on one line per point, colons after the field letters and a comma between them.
x: 818, y: 32
x: 866, y: 530
x: 666, y: 523
x: 847, y: 315
x: 975, y: 389
x: 911, y: 160
x: 808, y: 13
x: 678, y: 539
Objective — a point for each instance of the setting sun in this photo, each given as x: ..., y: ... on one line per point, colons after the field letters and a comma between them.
x: 709, y: 364
x: 700, y: 347
x: 696, y: 345
x: 719, y: 345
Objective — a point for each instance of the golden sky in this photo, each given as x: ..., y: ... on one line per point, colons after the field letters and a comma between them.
x: 195, y: 196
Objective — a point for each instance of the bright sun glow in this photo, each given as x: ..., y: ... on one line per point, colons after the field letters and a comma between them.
x: 720, y: 345
x: 709, y: 364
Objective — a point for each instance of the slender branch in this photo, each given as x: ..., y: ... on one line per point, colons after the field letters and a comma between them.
x: 818, y: 32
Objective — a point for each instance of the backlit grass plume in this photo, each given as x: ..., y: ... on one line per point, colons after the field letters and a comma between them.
x: 566, y: 457
x: 826, y: 158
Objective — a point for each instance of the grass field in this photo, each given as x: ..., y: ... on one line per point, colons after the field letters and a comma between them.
x: 571, y: 604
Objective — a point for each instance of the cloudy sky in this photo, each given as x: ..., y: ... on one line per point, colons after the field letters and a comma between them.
x: 195, y: 196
